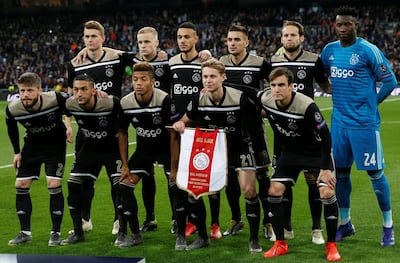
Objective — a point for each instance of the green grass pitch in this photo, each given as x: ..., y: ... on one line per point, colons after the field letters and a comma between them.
x: 159, y: 245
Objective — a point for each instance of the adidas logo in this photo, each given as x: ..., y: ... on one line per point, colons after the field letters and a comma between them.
x: 331, y: 58
x: 175, y: 76
x: 28, y: 124
x: 58, y: 213
x: 252, y: 215
x: 135, y: 120
x: 207, y: 118
x: 80, y: 122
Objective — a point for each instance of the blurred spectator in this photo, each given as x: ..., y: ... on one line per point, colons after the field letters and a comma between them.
x: 44, y: 44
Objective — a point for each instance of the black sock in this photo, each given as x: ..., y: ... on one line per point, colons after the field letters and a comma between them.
x: 130, y: 206
x: 277, y: 215
x: 233, y: 192
x: 87, y: 198
x: 75, y: 205
x: 253, y: 216
x: 263, y: 186
x: 180, y: 206
x: 24, y: 208
x: 315, y: 205
x: 148, y: 195
x: 287, y: 202
x: 56, y: 207
x: 331, y: 217
x: 215, y: 201
x: 198, y: 216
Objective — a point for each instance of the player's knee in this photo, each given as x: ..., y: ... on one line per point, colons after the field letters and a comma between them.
x: 23, y: 183
x: 53, y: 183
x: 325, y: 191
x: 276, y: 189
x: 375, y: 174
x: 249, y: 191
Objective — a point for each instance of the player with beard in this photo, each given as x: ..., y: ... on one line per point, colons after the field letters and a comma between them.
x: 247, y: 73
x: 147, y: 40
x: 106, y: 67
x: 307, y: 67
x: 44, y: 143
x: 97, y: 120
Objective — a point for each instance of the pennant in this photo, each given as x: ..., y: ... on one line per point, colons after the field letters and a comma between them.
x: 202, y: 168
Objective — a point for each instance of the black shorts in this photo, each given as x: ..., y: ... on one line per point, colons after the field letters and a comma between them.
x: 33, y: 156
x: 89, y: 163
x: 289, y: 166
x: 240, y: 156
x: 142, y: 162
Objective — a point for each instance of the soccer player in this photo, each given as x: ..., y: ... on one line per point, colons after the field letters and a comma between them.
x: 229, y: 109
x: 304, y: 135
x: 106, y: 67
x: 247, y: 73
x: 97, y: 120
x: 148, y: 110
x: 147, y: 40
x: 44, y: 143
x: 354, y: 66
x: 306, y: 67
x: 186, y: 83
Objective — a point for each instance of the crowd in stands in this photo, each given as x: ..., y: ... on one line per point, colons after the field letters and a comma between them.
x: 44, y: 44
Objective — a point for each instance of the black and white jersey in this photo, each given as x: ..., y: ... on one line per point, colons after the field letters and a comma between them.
x: 186, y: 83
x: 107, y: 72
x: 97, y: 126
x: 235, y: 115
x: 252, y: 71
x: 300, y: 129
x: 43, y: 127
x: 149, y: 120
x: 162, y: 71
x: 306, y: 68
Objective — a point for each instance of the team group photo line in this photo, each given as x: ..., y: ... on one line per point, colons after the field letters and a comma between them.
x: 203, y: 120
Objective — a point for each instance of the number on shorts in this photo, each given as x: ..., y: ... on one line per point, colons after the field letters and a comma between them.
x: 119, y: 165
x: 246, y: 160
x: 60, y: 170
x: 369, y: 159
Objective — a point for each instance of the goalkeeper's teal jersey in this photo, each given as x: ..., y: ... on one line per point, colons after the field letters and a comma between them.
x: 354, y: 72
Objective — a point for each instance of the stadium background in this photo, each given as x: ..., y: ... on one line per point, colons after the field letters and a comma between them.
x: 42, y: 36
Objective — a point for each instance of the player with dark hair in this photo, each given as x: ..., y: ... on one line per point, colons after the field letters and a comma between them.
x: 186, y: 84
x: 247, y: 73
x: 97, y: 120
x: 306, y: 67
x: 223, y: 107
x: 354, y: 66
x: 44, y: 143
x: 106, y: 67
x: 148, y: 110
x: 305, y: 142
x: 147, y: 40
